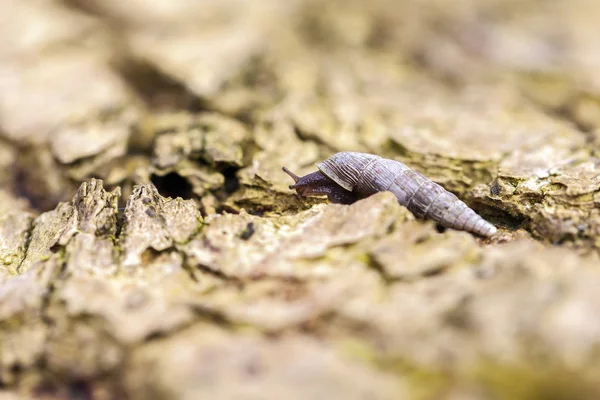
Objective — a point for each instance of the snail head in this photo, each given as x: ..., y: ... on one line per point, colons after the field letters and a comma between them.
x: 317, y: 184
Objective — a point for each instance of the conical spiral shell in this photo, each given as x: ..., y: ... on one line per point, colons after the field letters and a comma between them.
x: 367, y: 174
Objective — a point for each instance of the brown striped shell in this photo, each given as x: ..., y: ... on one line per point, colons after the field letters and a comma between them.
x: 366, y: 174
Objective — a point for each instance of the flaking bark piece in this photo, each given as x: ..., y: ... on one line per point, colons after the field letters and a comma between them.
x: 154, y: 222
x: 210, y: 137
x: 90, y: 221
x: 96, y: 209
x: 81, y: 141
x: 200, y: 52
x: 130, y: 306
x: 52, y: 80
x: 555, y: 190
x: 47, y: 231
x: 15, y: 226
x: 48, y: 87
x: 278, y: 241
x: 415, y: 250
x: 90, y: 243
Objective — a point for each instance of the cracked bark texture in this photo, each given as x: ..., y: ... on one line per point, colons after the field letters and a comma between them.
x: 150, y: 247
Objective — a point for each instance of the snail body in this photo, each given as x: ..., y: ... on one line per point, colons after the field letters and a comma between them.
x: 349, y: 176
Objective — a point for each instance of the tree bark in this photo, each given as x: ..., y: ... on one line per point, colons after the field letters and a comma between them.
x: 150, y: 246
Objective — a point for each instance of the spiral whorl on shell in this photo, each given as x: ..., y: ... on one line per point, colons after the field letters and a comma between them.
x: 366, y: 174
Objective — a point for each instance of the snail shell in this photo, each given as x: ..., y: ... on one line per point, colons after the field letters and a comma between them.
x: 348, y: 176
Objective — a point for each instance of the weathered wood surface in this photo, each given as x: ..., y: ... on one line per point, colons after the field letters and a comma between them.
x: 150, y: 247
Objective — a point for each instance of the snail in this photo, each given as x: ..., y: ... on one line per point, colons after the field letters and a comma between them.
x: 349, y: 176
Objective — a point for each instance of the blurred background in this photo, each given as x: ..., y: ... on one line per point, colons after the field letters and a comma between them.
x: 497, y: 100
x: 101, y: 88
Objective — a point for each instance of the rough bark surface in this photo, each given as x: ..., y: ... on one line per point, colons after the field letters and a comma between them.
x: 151, y: 249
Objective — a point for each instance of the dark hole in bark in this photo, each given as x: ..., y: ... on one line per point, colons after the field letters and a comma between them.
x: 231, y: 180
x: 173, y: 185
x: 80, y: 390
